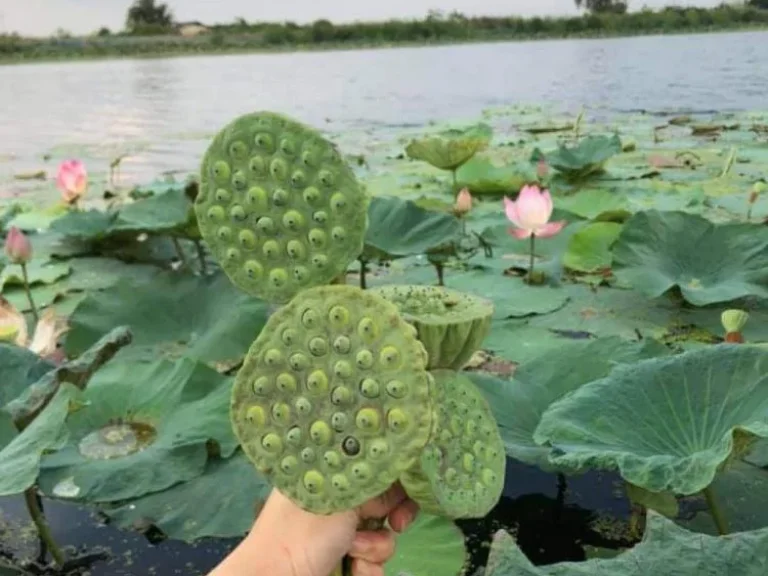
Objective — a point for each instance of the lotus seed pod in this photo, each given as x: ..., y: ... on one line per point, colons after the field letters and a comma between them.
x: 279, y: 207
x: 734, y: 320
x: 333, y: 401
x: 452, y: 325
x: 461, y: 471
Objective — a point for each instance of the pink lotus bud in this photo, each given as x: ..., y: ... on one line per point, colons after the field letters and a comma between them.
x: 17, y: 247
x: 542, y: 169
x: 530, y: 214
x: 463, y: 202
x: 72, y: 180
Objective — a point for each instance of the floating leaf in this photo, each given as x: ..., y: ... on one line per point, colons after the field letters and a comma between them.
x: 173, y: 313
x: 519, y: 404
x: 595, y: 204
x: 590, y: 248
x: 445, y: 542
x: 709, y: 263
x: 666, y: 550
x: 667, y: 424
x: 20, y: 453
x: 221, y: 503
x: 141, y: 428
x: 399, y: 228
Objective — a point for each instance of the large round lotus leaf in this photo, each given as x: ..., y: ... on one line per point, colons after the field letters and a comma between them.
x: 140, y: 428
x: 666, y: 550
x: 667, y: 424
x: 221, y: 503
x: 450, y: 149
x: 710, y: 263
x: 452, y: 325
x: 519, y: 404
x: 445, y: 542
x: 461, y: 471
x: 278, y: 206
x: 333, y: 401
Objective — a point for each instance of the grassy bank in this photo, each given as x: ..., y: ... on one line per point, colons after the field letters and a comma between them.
x: 270, y: 37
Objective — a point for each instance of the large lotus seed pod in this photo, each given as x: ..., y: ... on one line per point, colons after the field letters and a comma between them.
x: 333, y: 401
x: 452, y: 325
x: 461, y: 470
x: 279, y: 207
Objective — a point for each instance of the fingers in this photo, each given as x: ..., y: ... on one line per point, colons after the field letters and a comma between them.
x: 380, y: 507
x: 373, y: 547
x: 402, y: 516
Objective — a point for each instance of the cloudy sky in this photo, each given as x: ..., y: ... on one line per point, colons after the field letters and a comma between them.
x: 43, y: 17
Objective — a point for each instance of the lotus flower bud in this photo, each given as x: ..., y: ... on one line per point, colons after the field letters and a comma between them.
x: 17, y: 247
x: 734, y: 321
x: 72, y: 180
x: 463, y: 203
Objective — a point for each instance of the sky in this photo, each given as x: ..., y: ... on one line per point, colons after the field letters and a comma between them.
x: 44, y: 17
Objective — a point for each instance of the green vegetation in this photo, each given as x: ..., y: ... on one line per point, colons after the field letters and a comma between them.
x: 150, y: 31
x: 182, y: 393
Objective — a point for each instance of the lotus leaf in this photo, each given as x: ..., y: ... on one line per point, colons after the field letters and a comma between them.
x: 38, y: 272
x: 518, y: 405
x: 590, y: 248
x: 140, y: 428
x: 168, y: 212
x: 86, y: 225
x: 222, y: 503
x: 452, y: 325
x: 451, y: 148
x: 20, y: 453
x: 483, y: 176
x: 667, y: 424
x: 461, y: 470
x: 441, y: 537
x: 333, y: 402
x: 666, y: 550
x: 174, y: 314
x: 709, y: 263
x: 596, y: 204
x: 399, y: 228
x: 583, y: 160
x: 19, y: 368
x: 278, y: 206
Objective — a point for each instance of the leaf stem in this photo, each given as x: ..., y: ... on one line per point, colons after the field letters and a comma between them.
x: 455, y: 180
x: 714, y: 509
x: 530, y: 266
x: 30, y: 497
x: 179, y: 252
x: 440, y: 273
x: 363, y: 271
x: 201, y: 258
x: 27, y: 290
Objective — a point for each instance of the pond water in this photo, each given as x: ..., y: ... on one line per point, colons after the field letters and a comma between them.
x: 161, y: 113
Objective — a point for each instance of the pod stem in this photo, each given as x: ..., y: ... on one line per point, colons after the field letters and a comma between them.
x: 43, y: 530
x: 714, y: 509
x: 363, y: 272
x: 28, y: 292
x: 201, y: 258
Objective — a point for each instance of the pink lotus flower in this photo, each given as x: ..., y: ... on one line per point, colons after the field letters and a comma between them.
x: 72, y: 180
x: 530, y: 214
x: 463, y: 203
x: 17, y: 246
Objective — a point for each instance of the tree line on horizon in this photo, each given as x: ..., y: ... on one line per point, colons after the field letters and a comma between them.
x: 151, y: 29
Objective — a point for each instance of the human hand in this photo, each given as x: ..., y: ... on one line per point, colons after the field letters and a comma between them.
x: 304, y: 544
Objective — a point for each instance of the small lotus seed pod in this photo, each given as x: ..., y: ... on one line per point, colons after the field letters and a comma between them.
x: 461, y: 470
x: 333, y: 402
x: 278, y: 190
x: 734, y: 321
x: 452, y: 325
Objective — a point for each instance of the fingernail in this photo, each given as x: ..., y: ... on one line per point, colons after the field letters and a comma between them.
x: 361, y: 545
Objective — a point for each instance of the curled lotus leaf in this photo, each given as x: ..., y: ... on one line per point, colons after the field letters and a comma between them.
x: 140, y: 428
x: 709, y: 263
x: 461, y: 471
x: 666, y: 424
x: 584, y: 159
x: 279, y: 208
x: 666, y: 550
x: 333, y: 401
x: 451, y: 148
x: 452, y: 325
